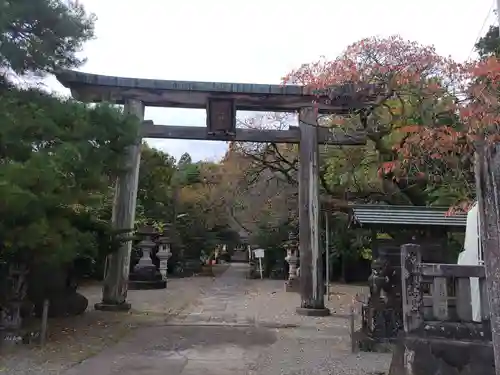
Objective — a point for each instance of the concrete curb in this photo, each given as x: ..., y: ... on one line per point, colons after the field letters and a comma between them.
x: 232, y: 325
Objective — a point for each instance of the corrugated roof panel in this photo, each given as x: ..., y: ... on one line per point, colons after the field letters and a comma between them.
x: 406, y: 215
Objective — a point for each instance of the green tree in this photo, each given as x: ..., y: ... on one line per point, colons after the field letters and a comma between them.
x: 40, y: 36
x: 188, y: 173
x: 155, y: 191
x: 57, y: 161
x: 489, y: 44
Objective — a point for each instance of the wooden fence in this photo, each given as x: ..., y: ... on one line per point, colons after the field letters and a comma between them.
x: 437, y: 298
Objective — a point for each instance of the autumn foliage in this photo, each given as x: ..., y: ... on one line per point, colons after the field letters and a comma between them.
x: 427, y: 125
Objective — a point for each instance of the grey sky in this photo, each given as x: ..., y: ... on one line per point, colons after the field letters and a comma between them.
x: 257, y: 41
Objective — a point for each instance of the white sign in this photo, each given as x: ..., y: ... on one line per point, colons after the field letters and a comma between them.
x: 259, y: 253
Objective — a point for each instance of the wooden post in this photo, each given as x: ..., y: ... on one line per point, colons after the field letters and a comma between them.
x: 352, y: 317
x: 488, y: 195
x: 327, y: 256
x: 114, y: 294
x: 45, y: 318
x: 312, y: 286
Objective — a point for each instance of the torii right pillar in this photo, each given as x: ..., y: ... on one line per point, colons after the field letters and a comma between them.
x: 312, y: 281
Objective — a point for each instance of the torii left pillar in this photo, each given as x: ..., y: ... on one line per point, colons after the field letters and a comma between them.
x: 312, y: 280
x: 115, y: 286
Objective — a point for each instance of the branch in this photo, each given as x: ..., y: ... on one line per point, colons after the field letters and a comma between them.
x: 323, y: 182
x: 275, y: 166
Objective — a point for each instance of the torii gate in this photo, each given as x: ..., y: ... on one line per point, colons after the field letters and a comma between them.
x: 221, y: 101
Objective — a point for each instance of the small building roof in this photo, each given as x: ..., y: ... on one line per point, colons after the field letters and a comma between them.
x: 370, y: 215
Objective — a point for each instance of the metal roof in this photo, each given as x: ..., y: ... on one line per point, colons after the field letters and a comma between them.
x: 374, y: 214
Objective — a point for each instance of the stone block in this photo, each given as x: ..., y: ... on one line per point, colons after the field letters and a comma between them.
x: 438, y: 356
x: 292, y: 285
x: 70, y: 304
x: 304, y: 311
x: 103, y: 306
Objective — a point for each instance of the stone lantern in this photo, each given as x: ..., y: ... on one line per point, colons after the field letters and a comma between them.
x: 291, y: 258
x: 164, y: 255
x: 145, y: 274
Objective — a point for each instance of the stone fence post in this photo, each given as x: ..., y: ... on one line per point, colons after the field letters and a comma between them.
x: 411, y: 278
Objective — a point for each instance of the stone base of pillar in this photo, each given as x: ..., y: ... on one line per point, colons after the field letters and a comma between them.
x: 146, y: 276
x: 312, y: 312
x: 292, y: 285
x: 101, y: 306
x: 146, y: 284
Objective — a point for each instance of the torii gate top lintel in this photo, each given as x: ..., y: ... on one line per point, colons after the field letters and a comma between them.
x: 221, y: 101
x: 192, y: 94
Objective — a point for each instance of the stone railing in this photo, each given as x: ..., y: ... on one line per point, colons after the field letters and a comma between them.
x: 437, y: 298
x: 440, y: 335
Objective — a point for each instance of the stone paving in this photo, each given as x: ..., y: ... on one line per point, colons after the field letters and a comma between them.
x: 239, y: 326
x: 156, y: 301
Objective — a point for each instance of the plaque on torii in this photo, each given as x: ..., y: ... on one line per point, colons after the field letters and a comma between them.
x: 221, y: 117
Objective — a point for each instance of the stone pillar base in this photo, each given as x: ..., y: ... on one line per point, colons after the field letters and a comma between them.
x: 292, y: 285
x: 125, y: 306
x: 144, y: 284
x: 312, y: 312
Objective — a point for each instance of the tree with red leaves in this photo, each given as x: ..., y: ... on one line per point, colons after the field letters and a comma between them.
x: 424, y: 129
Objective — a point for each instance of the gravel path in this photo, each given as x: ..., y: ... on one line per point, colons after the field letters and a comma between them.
x: 303, y: 345
x: 236, y: 326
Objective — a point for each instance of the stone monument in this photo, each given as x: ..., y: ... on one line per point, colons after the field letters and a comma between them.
x: 13, y: 291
